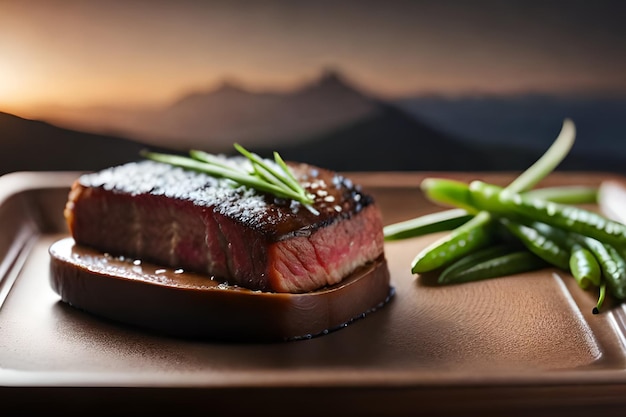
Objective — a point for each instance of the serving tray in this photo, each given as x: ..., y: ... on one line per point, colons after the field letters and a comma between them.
x: 513, y: 345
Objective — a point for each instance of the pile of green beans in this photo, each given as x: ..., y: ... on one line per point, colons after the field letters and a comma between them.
x: 496, y: 231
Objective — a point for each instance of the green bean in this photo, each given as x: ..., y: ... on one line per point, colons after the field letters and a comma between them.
x: 449, y: 219
x: 474, y: 258
x: 477, y: 256
x: 548, y: 161
x: 559, y: 236
x: 455, y: 193
x: 548, y: 239
x: 617, y: 281
x: 546, y: 221
x: 611, y: 263
x: 558, y: 247
x: 448, y: 192
x: 586, y: 270
x: 601, y: 296
x: 571, y: 218
x: 509, y: 264
x: 466, y: 238
x: 450, y: 248
x: 551, y: 251
x: 584, y: 267
x: 426, y: 224
x: 567, y: 194
x: 476, y: 233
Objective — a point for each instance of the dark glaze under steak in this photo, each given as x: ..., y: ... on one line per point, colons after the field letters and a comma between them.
x: 184, y: 219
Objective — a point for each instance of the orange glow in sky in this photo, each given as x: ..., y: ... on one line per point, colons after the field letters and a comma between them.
x: 91, y: 52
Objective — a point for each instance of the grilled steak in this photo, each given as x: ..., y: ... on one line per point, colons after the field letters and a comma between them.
x: 183, y: 219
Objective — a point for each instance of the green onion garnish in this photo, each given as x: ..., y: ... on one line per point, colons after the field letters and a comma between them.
x: 266, y: 177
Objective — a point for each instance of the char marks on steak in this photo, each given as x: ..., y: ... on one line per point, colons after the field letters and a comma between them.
x: 184, y: 219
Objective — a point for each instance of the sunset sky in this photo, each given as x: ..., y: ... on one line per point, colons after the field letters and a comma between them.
x: 130, y: 52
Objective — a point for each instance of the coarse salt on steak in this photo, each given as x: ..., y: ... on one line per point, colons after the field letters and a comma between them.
x: 189, y: 220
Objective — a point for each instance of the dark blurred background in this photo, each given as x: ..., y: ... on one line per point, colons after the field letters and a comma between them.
x: 349, y: 85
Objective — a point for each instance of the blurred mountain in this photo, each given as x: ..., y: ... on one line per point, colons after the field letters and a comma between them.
x: 531, y: 121
x: 329, y: 123
x: 214, y: 119
x: 28, y: 145
x: 387, y: 140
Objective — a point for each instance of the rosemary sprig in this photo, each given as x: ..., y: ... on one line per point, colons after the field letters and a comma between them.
x: 264, y: 177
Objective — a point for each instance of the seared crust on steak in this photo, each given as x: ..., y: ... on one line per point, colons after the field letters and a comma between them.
x: 184, y: 219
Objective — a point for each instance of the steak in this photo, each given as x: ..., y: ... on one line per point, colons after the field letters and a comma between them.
x: 154, y: 212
